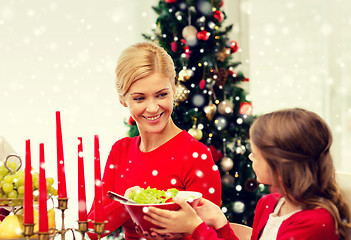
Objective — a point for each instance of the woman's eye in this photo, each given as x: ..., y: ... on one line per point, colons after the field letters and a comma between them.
x: 163, y: 95
x: 138, y: 99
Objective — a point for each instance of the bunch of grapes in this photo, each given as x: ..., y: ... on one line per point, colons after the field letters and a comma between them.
x: 12, y: 185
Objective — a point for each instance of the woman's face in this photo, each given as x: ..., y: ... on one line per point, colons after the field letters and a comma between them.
x: 150, y: 102
x: 260, y: 166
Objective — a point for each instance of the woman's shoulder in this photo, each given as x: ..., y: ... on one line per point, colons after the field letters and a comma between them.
x: 189, y: 141
x: 125, y: 142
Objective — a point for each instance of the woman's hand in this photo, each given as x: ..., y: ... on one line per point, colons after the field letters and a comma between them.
x: 210, y: 213
x: 184, y: 220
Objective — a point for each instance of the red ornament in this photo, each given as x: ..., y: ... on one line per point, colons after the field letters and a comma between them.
x: 174, y: 46
x: 202, y: 84
x: 234, y: 46
x: 218, y: 15
x: 186, y: 48
x: 245, y: 108
x: 203, y: 35
x: 170, y: 1
x: 246, y: 79
x: 131, y: 121
x: 216, y: 154
x: 221, y: 4
x: 232, y: 73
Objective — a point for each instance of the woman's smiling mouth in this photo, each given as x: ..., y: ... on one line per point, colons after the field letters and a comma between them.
x: 153, y: 118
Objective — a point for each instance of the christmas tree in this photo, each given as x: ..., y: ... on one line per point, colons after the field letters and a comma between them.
x: 212, y: 103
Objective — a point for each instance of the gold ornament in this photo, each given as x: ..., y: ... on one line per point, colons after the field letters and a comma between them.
x: 226, y: 164
x: 210, y: 110
x: 181, y: 93
x: 189, y: 33
x: 225, y: 107
x: 185, y: 74
x: 195, y: 132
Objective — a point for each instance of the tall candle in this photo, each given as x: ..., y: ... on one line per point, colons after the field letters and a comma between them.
x: 61, y: 177
x: 98, y: 184
x: 82, y: 206
x: 43, y: 214
x: 28, y: 187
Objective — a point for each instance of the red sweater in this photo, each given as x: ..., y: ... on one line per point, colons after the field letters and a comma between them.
x: 182, y: 162
x: 316, y: 224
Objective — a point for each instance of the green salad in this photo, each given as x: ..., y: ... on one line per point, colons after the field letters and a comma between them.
x: 152, y: 195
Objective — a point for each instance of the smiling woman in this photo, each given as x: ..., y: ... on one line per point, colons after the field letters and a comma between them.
x: 163, y: 156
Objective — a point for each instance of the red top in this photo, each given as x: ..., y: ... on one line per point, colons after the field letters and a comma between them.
x: 313, y: 224
x: 182, y: 162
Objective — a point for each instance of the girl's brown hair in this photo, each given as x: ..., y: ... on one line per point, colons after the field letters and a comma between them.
x: 142, y: 60
x: 296, y: 144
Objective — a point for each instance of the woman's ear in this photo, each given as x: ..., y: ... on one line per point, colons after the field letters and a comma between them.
x: 121, y: 100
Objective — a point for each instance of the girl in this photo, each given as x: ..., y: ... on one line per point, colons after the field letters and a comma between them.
x: 290, y: 152
x: 163, y: 156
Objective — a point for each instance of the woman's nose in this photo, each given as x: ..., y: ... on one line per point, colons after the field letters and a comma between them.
x: 152, y: 106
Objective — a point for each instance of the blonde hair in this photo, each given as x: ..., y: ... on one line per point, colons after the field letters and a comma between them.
x: 296, y: 145
x: 142, y: 60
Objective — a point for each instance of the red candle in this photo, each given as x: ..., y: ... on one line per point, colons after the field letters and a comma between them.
x: 43, y: 214
x: 61, y: 182
x: 98, y: 184
x: 28, y: 187
x: 82, y: 206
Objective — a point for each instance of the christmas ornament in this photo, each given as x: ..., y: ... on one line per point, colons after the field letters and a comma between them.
x: 239, y: 207
x: 198, y: 100
x: 216, y: 154
x: 240, y: 149
x: 225, y: 107
x: 228, y: 179
x: 220, y: 77
x: 210, y: 110
x: 218, y: 15
x: 202, y: 84
x: 220, y: 122
x: 174, y: 46
x: 203, y: 35
x: 181, y: 93
x: 189, y: 33
x: 224, y: 54
x: 185, y: 74
x: 186, y: 48
x: 131, y: 121
x: 245, y: 108
x: 234, y: 46
x: 226, y: 164
x: 170, y: 1
x: 251, y: 184
x: 196, y: 133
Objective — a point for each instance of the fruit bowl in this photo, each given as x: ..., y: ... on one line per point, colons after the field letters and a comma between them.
x: 137, y: 211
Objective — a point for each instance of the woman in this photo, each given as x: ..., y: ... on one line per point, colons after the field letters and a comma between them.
x: 163, y: 156
x: 290, y: 152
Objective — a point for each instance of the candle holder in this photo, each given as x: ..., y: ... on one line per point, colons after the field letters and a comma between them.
x: 99, y: 229
x: 43, y: 236
x: 28, y: 230
x: 53, y: 232
x: 82, y: 227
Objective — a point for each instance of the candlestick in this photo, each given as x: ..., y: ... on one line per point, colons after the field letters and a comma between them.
x: 82, y: 206
x: 43, y: 214
x: 98, y: 184
x: 61, y: 191
x: 28, y: 188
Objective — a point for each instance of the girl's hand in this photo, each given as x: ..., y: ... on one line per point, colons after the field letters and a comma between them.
x: 184, y: 220
x: 210, y: 213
